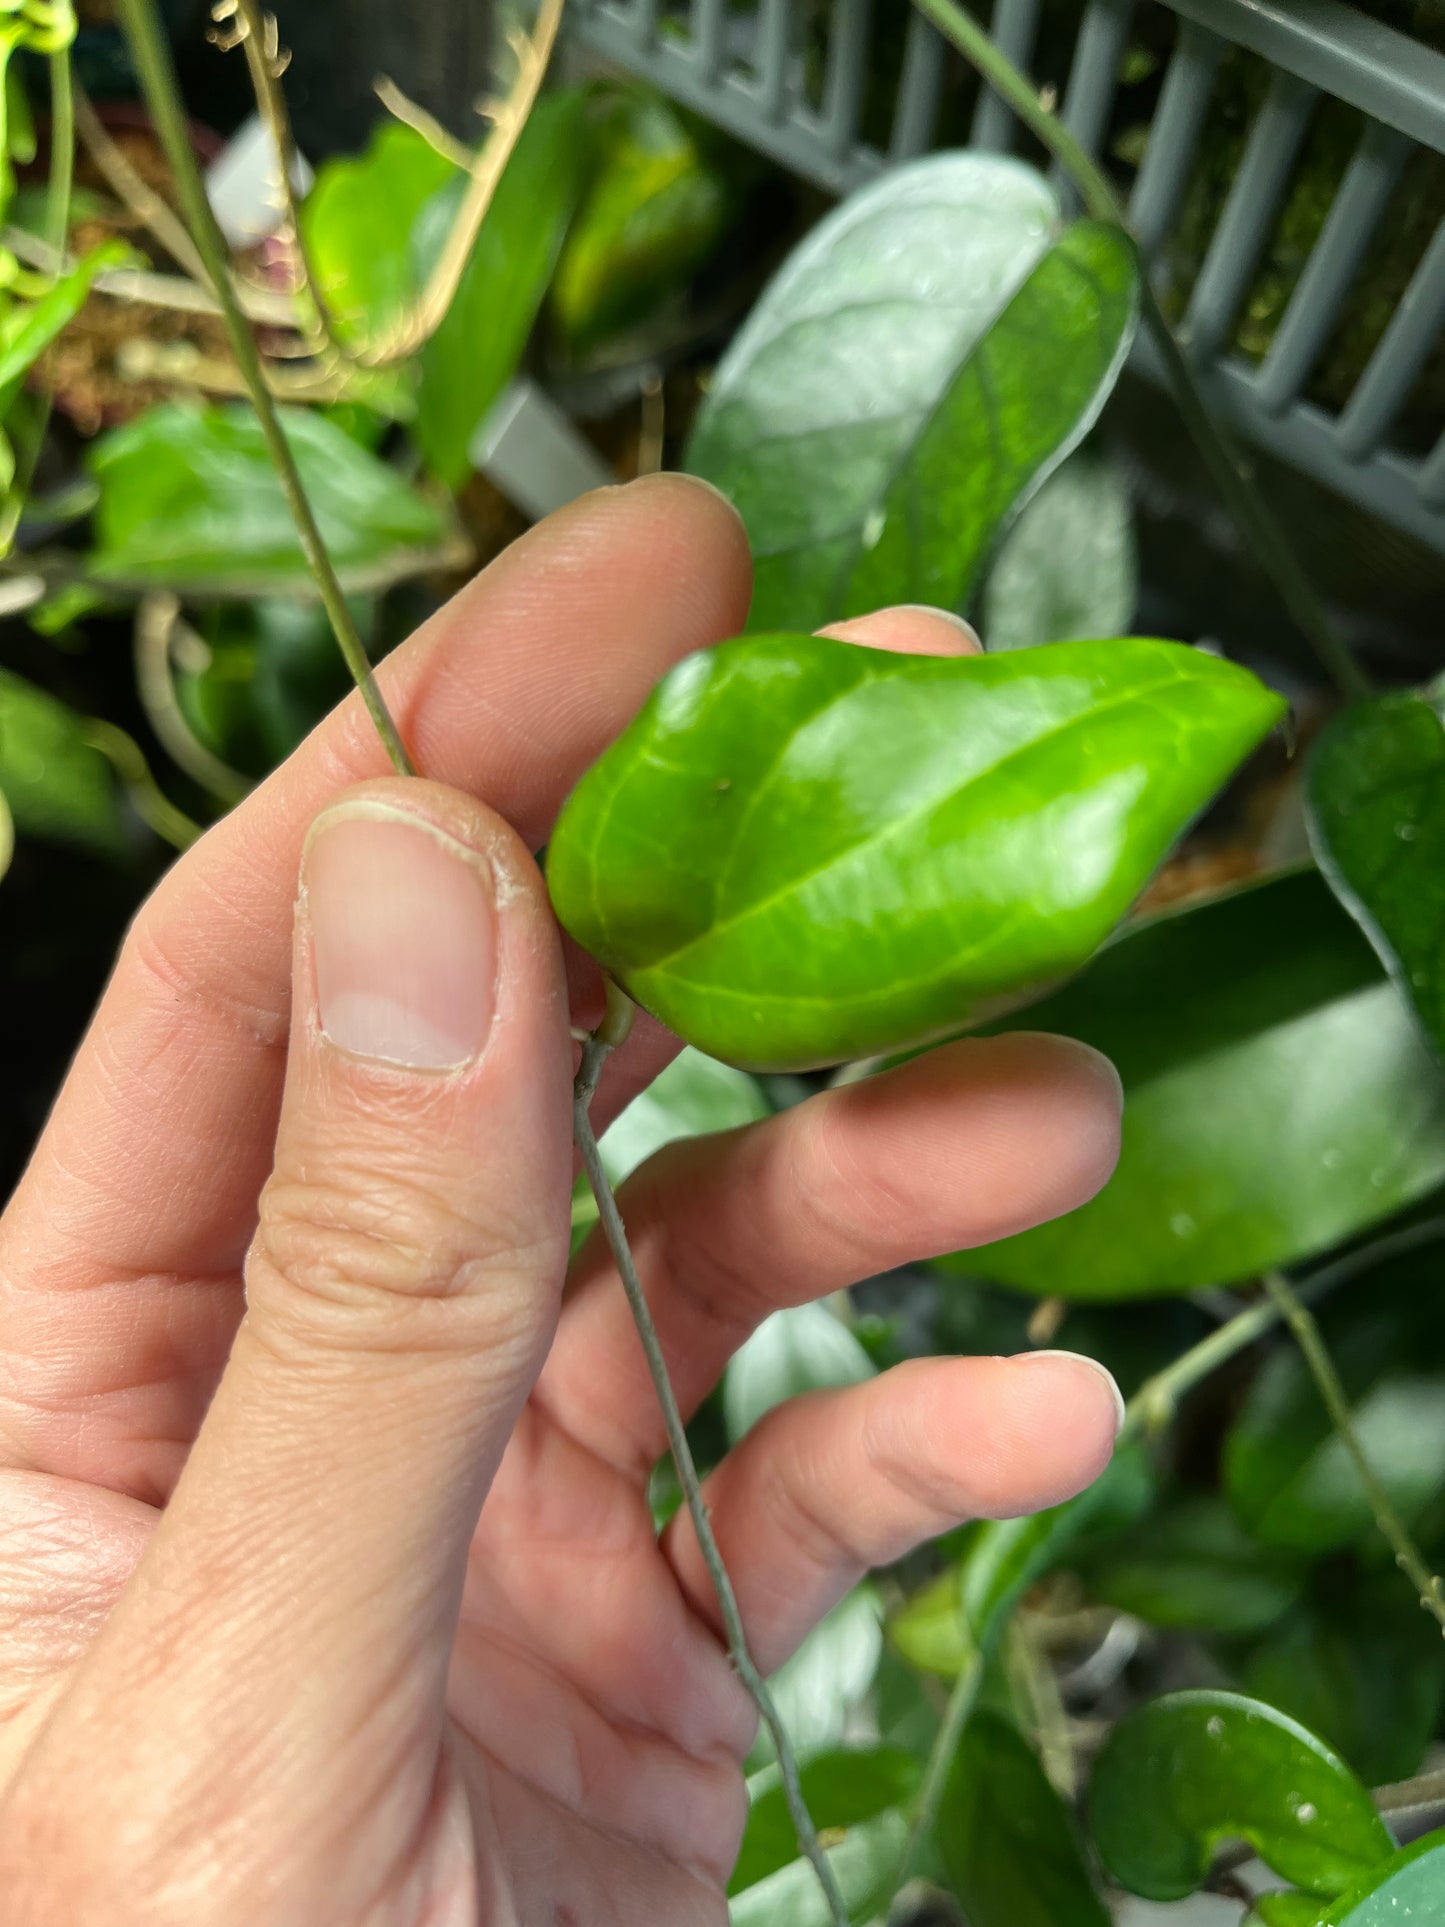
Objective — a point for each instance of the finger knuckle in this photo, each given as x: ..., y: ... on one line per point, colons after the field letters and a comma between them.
x: 356, y: 1251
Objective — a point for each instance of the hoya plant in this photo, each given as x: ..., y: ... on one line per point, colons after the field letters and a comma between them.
x: 1220, y: 1669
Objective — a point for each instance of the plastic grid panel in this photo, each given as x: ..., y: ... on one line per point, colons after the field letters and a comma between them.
x: 741, y: 63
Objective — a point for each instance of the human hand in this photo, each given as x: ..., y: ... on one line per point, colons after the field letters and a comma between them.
x: 259, y: 1661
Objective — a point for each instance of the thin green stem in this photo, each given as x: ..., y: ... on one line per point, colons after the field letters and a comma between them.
x: 158, y: 79
x: 58, y: 191
x: 62, y: 152
x: 594, y: 1055
x: 1428, y: 1585
x: 954, y: 1724
x: 1256, y: 521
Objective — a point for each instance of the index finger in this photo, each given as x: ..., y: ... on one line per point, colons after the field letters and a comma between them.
x: 129, y: 1227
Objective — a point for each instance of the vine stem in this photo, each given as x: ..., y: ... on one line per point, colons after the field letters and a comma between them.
x: 595, y: 1051
x: 158, y: 79
x: 961, y: 1701
x: 1252, y: 514
x: 1408, y: 1557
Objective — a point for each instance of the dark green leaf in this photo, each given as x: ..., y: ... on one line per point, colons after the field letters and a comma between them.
x: 802, y: 851
x: 1194, y: 1569
x: 843, y: 1787
x: 55, y: 782
x: 920, y: 363
x: 1408, y: 1891
x: 1279, y: 1099
x: 863, y: 1864
x: 1377, y: 815
x: 1184, y: 1774
x: 1067, y: 568
x: 478, y: 347
x: 358, y: 221
x: 1006, y: 1838
x: 189, y: 501
x: 1360, y: 1665
x: 1287, y: 1472
x: 651, y: 217
x: 802, y: 1349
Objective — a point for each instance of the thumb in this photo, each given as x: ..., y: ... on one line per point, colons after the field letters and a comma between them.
x: 402, y: 1290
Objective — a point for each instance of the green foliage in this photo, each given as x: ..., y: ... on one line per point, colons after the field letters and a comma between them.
x: 53, y: 780
x: 358, y: 222
x: 651, y: 216
x: 1066, y: 570
x: 1377, y: 801
x: 863, y: 1864
x: 843, y: 1786
x: 964, y: 1610
x: 1287, y: 1472
x: 1406, y: 1888
x: 1006, y: 1838
x: 1026, y: 799
x: 866, y: 476
x: 1194, y: 1570
x: 479, y: 346
x: 831, y: 1671
x: 189, y: 501
x: 802, y: 1349
x: 1359, y: 1664
x: 1278, y: 1099
x: 1186, y: 1773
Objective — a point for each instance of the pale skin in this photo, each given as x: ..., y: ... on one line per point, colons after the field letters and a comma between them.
x: 284, y: 1299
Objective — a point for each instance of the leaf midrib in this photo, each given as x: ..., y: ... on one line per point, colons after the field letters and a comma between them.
x: 667, y: 961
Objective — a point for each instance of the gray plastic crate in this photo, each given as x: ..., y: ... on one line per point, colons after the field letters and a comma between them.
x: 789, y: 76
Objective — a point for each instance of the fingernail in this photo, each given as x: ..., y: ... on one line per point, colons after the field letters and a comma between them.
x: 404, y: 934
x: 1080, y: 1358
x: 943, y: 615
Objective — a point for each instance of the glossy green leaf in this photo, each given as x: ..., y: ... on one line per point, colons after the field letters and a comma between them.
x: 802, y: 1349
x: 479, y: 346
x: 54, y: 781
x: 1184, y: 1774
x: 1287, y: 1472
x: 358, y: 221
x: 651, y: 216
x: 802, y: 851
x: 189, y: 501
x: 1377, y: 816
x: 1278, y: 1098
x: 1006, y: 1838
x: 1360, y: 1665
x: 693, y: 1096
x: 1067, y: 569
x: 1194, y: 1569
x: 816, y: 1689
x: 1407, y: 1891
x: 843, y: 1787
x: 922, y: 361
x: 864, y: 1863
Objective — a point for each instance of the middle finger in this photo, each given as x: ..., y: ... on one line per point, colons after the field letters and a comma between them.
x: 972, y: 1142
